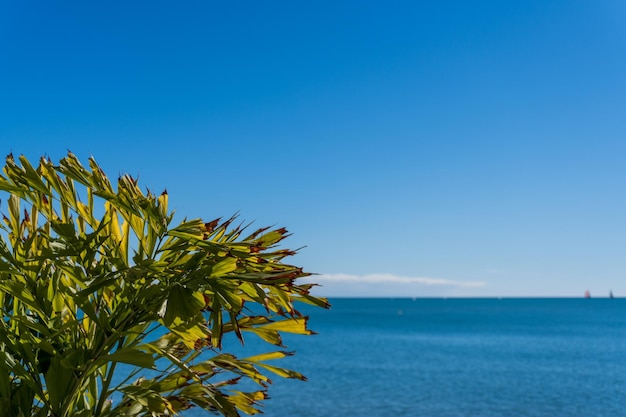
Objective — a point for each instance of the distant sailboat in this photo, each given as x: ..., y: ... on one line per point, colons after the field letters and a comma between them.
x: 611, y: 294
x: 587, y: 294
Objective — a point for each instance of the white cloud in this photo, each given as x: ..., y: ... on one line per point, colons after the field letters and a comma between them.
x: 390, y: 285
x: 396, y: 279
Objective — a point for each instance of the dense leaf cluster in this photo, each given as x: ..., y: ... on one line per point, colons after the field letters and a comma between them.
x: 92, y: 276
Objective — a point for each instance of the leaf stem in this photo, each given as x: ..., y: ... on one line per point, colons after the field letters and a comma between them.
x: 107, y: 383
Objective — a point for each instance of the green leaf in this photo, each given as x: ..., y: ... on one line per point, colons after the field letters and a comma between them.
x: 293, y: 325
x: 19, y: 291
x: 224, y: 267
x: 182, y: 304
x: 268, y: 356
x: 131, y: 357
x: 282, y: 372
x: 270, y: 336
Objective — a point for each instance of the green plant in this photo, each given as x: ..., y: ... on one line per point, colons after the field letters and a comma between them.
x: 93, y: 276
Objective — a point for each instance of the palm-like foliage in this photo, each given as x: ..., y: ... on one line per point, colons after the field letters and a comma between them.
x: 92, y: 276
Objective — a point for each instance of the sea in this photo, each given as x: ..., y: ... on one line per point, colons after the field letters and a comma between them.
x: 539, y: 357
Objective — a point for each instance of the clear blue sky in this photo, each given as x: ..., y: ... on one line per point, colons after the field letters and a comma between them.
x: 446, y: 148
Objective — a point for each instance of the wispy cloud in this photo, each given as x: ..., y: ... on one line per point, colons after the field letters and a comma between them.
x: 394, y: 279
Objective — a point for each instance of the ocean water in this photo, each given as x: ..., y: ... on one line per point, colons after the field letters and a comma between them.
x: 457, y: 357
